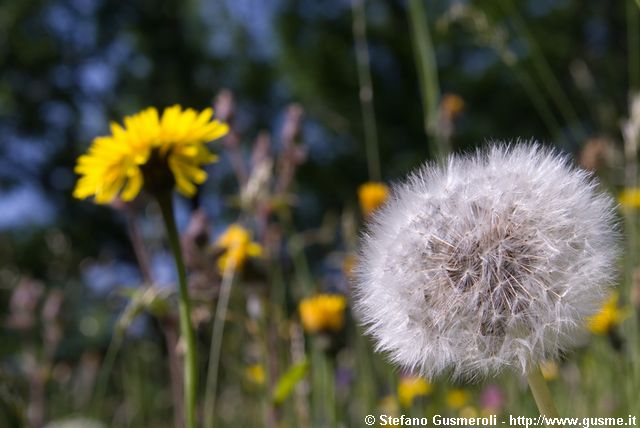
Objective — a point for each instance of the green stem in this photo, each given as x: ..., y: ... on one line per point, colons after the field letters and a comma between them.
x: 366, y: 89
x: 633, y: 43
x: 216, y: 343
x: 426, y: 64
x: 186, y: 329
x: 540, y: 63
x: 541, y: 394
x: 105, y: 370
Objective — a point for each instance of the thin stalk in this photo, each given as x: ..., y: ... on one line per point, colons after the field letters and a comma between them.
x: 425, y: 59
x: 184, y: 306
x: 216, y: 344
x: 539, y: 102
x: 105, y: 370
x: 633, y: 45
x: 542, y: 66
x: 366, y: 89
x: 541, y: 394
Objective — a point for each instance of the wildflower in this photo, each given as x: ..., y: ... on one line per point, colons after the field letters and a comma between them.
x: 609, y: 316
x: 487, y: 262
x: 236, y: 241
x: 468, y: 412
x: 255, y: 374
x: 348, y: 264
x: 323, y: 312
x: 451, y: 105
x: 411, y: 387
x: 549, y: 370
x: 388, y: 405
x: 372, y: 195
x: 457, y: 398
x: 630, y: 198
x: 149, y: 151
x: 492, y: 399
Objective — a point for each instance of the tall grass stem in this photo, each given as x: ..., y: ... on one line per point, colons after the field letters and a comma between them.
x: 425, y: 59
x: 216, y: 343
x: 366, y: 89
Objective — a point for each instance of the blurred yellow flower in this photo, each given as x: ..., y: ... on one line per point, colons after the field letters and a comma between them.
x: 348, y: 264
x: 411, y: 387
x: 468, y: 412
x: 255, y: 374
x: 630, y: 198
x: 372, y: 195
x: 609, y: 316
x: 323, y: 312
x: 549, y: 369
x: 149, y: 151
x: 456, y: 398
x: 388, y: 405
x: 236, y: 241
x: 452, y: 105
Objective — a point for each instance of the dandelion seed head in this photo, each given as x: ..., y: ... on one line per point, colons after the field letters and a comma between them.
x: 491, y: 261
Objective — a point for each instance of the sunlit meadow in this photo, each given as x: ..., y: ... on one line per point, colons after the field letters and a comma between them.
x: 184, y: 188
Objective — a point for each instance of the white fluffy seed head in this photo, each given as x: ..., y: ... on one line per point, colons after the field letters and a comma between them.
x: 491, y: 261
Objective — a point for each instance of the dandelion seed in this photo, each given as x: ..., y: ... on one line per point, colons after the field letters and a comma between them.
x: 492, y: 261
x: 324, y: 312
x: 149, y: 151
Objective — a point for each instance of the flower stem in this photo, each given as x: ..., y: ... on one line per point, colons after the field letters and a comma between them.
x: 216, y: 344
x: 186, y: 329
x: 366, y: 89
x: 541, y: 394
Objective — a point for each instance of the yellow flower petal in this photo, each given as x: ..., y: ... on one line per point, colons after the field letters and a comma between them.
x: 411, y: 387
x: 630, y: 198
x: 323, y: 312
x: 238, y: 246
x: 372, y: 195
x: 609, y: 316
x: 111, y: 166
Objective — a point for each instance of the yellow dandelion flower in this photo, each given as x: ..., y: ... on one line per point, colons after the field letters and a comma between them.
x: 452, y: 105
x: 151, y: 151
x: 549, y: 370
x: 236, y: 241
x: 468, y: 412
x: 609, y: 316
x: 372, y: 195
x: 255, y: 374
x: 388, y: 405
x: 411, y: 387
x: 348, y: 263
x: 323, y: 312
x: 457, y: 398
x: 630, y: 198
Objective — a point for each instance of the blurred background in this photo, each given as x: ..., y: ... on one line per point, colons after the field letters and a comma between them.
x: 322, y: 98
